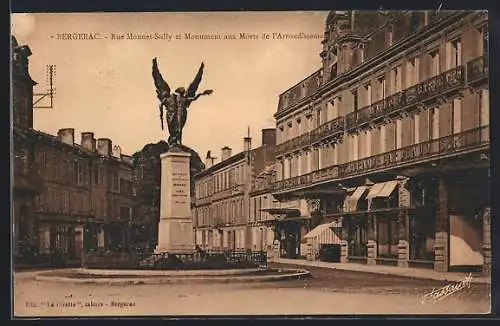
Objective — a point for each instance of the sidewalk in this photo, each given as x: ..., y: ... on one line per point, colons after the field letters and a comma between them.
x: 387, y: 270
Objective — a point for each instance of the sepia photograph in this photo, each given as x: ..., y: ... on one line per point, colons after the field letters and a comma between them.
x: 251, y: 163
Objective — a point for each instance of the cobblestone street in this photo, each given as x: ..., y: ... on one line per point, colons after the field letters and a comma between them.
x: 326, y: 292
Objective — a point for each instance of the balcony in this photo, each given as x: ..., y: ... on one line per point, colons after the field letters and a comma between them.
x: 466, y: 141
x: 304, y: 89
x: 477, y: 70
x: 328, y: 129
x: 424, y: 92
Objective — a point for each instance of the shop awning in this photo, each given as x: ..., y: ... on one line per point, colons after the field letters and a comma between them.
x: 352, y: 200
x: 375, y: 190
x: 388, y: 189
x: 358, y: 193
x: 317, y: 230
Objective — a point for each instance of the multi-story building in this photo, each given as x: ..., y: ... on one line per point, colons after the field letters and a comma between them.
x: 389, y: 139
x: 222, y: 210
x: 68, y: 197
x: 27, y: 181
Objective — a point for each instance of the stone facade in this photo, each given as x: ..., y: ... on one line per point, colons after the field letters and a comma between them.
x: 68, y: 197
x: 408, y: 98
x: 222, y: 204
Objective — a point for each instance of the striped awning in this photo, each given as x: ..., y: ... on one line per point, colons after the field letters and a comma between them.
x: 317, y: 230
x: 383, y: 189
x: 374, y: 190
x: 351, y: 201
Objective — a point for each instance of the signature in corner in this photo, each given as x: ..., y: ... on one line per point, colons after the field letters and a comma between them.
x: 439, y: 294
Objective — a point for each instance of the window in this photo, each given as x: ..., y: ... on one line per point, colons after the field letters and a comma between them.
x: 43, y: 159
x: 75, y: 172
x: 22, y: 160
x: 96, y: 174
x: 355, y: 100
x: 396, y: 80
x: 125, y: 213
x: 86, y: 174
x: 390, y: 35
x: 484, y: 107
x: 433, y: 123
x: 456, y: 111
x: 387, y: 238
x: 333, y: 71
x: 412, y: 75
x: 435, y: 68
x: 259, y: 212
x: 21, y: 115
x: 102, y: 174
x: 382, y: 88
x: 484, y: 40
x: 414, y: 22
x: 115, y: 182
x: 361, y: 53
x: 52, y: 200
x: 368, y: 94
x: 455, y: 54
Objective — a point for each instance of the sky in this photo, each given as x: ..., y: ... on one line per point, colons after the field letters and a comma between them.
x: 105, y: 85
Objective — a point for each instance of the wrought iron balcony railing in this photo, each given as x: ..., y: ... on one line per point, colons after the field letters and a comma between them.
x: 325, y: 130
x: 304, y: 89
x: 423, y: 92
x: 464, y: 141
x: 477, y: 69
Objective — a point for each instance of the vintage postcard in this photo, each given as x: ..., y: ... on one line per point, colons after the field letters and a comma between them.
x: 250, y: 163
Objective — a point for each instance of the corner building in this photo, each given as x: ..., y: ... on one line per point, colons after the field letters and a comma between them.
x: 388, y: 142
x: 68, y: 197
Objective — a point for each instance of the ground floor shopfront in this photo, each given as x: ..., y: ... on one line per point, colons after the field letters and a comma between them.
x: 439, y: 221
x: 237, y: 237
x: 62, y: 239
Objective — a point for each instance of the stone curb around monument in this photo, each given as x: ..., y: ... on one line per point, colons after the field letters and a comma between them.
x: 176, y: 280
x: 173, y: 273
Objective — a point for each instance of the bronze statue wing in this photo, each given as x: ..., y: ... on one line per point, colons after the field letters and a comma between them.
x: 191, y: 92
x: 160, y: 83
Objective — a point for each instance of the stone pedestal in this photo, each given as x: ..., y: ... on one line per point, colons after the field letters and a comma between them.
x: 175, y: 230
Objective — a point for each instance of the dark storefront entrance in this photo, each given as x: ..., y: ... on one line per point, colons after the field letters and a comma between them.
x: 357, y: 237
x: 288, y: 233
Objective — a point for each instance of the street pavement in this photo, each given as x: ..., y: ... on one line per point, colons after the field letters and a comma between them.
x: 326, y: 292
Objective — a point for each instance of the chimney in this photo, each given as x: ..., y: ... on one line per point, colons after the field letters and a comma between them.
x: 209, y: 160
x: 247, y: 144
x: 104, y: 146
x: 117, y: 152
x: 225, y: 153
x: 88, y: 141
x: 269, y: 137
x: 67, y: 136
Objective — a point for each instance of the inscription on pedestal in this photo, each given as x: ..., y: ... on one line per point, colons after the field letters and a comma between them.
x: 180, y: 187
x: 175, y: 228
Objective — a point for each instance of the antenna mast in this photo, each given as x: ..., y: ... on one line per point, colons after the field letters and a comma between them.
x: 49, y: 94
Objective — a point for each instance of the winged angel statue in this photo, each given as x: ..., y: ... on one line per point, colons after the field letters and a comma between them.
x: 176, y: 104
